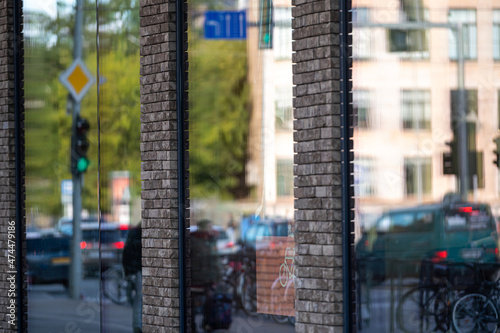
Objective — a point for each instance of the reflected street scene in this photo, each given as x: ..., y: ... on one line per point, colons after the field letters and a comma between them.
x: 78, y: 222
x: 242, y: 245
x: 426, y: 165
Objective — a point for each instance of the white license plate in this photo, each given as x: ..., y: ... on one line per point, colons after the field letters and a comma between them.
x: 104, y: 255
x: 108, y: 255
x: 471, y: 253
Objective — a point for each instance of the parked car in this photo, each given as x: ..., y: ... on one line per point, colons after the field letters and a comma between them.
x: 48, y: 258
x: 112, y: 237
x: 255, y: 236
x: 453, y: 232
x: 65, y: 224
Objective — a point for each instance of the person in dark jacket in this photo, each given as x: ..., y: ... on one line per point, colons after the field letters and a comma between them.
x: 132, y: 266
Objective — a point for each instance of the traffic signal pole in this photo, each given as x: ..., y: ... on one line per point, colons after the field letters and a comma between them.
x: 75, y: 278
x: 463, y: 163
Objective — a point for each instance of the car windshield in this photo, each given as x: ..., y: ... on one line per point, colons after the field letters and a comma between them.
x: 107, y: 236
x: 281, y: 229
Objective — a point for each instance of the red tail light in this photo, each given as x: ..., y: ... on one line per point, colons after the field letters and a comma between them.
x: 465, y: 209
x: 229, y: 245
x: 492, y: 251
x: 123, y: 227
x: 440, y: 256
x: 83, y: 245
x: 119, y: 245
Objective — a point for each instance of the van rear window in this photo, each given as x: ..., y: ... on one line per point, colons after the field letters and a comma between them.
x: 468, y: 218
x: 407, y: 222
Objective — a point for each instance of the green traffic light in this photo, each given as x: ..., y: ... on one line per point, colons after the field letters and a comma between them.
x: 267, y: 38
x: 82, y: 164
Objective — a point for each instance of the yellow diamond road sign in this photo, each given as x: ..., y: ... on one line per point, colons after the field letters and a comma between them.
x: 77, y: 79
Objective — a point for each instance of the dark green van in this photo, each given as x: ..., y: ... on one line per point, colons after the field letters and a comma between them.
x: 448, y: 232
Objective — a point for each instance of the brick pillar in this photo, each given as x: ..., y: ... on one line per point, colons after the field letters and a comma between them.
x: 319, y: 290
x: 8, y: 163
x: 160, y: 252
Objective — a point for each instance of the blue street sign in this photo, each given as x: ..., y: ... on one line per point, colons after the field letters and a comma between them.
x: 226, y: 25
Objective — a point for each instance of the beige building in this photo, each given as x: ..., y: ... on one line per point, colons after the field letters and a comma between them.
x: 403, y: 82
x: 271, y: 135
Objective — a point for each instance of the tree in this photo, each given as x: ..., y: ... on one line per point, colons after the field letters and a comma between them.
x: 218, y: 118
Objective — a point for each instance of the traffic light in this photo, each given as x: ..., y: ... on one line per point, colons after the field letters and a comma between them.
x: 450, y: 159
x: 79, y: 146
x: 266, y: 24
x: 497, y: 151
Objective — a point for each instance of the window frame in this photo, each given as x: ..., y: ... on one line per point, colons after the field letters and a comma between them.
x: 467, y: 26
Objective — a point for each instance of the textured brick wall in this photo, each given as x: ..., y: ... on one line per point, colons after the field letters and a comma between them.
x: 159, y: 166
x: 319, y: 293
x: 7, y: 155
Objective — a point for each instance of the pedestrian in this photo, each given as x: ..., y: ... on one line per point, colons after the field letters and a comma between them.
x: 132, y: 266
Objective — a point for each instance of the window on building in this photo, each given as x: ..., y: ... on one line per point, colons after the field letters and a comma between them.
x: 283, y: 108
x: 284, y: 178
x: 469, y: 33
x: 410, y: 42
x: 418, y: 175
x: 364, y: 177
x: 282, y: 33
x: 496, y: 34
x: 416, y: 109
x: 361, y: 36
x: 361, y: 105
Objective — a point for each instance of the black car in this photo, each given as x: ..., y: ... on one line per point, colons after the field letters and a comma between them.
x: 109, y: 252
x: 48, y: 258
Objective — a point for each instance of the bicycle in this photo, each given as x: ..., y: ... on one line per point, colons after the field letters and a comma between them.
x: 477, y: 310
x: 426, y: 307
x: 287, y: 272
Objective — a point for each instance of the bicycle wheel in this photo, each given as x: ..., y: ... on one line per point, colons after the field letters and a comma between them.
x: 115, y: 285
x: 422, y: 309
x: 284, y: 274
x: 474, y: 313
x: 249, y: 296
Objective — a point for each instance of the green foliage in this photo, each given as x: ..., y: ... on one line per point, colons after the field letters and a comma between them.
x: 47, y: 123
x: 218, y: 118
x: 218, y: 114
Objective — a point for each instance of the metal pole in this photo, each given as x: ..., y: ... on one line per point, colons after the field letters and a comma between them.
x: 19, y: 156
x: 463, y: 166
x: 180, y: 31
x: 75, y: 280
x: 346, y: 166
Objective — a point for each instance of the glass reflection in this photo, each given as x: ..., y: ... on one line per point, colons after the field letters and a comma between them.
x: 241, y: 166
x: 49, y: 50
x: 103, y: 283
x: 425, y: 170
